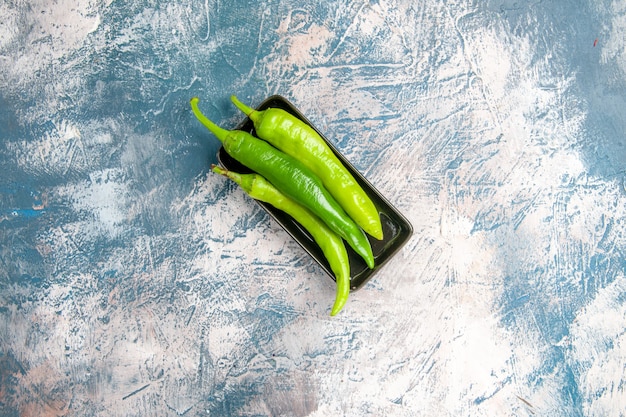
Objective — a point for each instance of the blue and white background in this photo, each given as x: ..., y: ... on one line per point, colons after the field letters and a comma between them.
x: 133, y: 282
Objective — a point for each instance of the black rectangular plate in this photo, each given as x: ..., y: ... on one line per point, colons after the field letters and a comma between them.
x: 396, y: 228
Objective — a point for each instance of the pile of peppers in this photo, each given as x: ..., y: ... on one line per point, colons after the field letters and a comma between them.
x: 295, y: 171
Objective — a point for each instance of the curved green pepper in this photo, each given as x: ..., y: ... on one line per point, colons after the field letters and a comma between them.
x: 292, y: 178
x: 331, y: 244
x: 296, y: 138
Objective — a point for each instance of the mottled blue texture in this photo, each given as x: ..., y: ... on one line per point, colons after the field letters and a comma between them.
x: 135, y: 282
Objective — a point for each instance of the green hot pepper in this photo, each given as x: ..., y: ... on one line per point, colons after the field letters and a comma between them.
x: 331, y: 244
x: 296, y: 138
x: 292, y: 178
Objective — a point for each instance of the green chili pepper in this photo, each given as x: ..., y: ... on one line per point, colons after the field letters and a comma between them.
x: 331, y: 244
x: 292, y: 178
x: 296, y: 138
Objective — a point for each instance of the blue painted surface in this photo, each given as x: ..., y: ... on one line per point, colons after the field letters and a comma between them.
x: 135, y: 282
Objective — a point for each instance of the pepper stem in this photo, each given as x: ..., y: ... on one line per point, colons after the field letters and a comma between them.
x: 215, y: 129
x: 246, y: 182
x: 249, y: 111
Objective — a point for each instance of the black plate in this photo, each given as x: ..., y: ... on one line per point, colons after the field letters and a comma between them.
x: 396, y: 228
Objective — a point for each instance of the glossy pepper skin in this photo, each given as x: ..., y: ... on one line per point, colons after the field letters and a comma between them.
x: 296, y: 138
x: 331, y: 244
x: 292, y: 178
